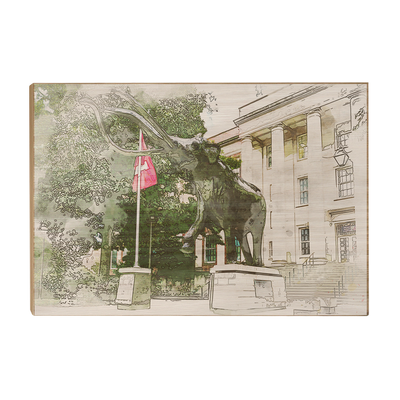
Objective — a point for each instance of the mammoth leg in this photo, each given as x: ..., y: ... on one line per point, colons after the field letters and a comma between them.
x: 255, y: 225
x: 246, y: 249
x: 191, y: 235
x: 257, y: 243
x: 231, y: 256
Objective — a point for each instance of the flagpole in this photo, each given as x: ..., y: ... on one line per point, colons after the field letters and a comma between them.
x: 138, y: 203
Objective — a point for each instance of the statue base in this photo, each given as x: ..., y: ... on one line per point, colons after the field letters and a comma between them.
x: 134, y: 289
x: 239, y: 288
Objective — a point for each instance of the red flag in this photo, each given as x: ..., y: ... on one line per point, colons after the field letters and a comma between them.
x: 148, y: 176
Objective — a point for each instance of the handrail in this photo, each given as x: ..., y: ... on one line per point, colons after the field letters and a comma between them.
x: 306, y: 262
x: 309, y: 258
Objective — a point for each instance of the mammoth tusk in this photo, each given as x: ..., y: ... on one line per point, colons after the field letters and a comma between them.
x: 106, y: 134
x: 142, y: 121
x: 150, y: 126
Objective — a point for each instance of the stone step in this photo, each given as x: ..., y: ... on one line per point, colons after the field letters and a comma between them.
x: 349, y: 292
x: 327, y: 280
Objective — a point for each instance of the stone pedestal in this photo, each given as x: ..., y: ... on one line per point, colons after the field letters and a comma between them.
x: 134, y: 289
x: 239, y: 288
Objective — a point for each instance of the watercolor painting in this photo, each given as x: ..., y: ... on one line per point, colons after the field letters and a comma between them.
x: 199, y: 199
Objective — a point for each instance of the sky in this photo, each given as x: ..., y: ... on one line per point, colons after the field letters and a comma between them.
x: 224, y: 99
x: 229, y: 97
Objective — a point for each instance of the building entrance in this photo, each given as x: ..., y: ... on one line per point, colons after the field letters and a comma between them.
x: 346, y: 241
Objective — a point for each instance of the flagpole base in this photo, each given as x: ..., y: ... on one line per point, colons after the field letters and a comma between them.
x: 134, y: 289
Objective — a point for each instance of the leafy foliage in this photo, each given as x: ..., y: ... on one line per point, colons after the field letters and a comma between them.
x: 180, y: 116
x: 231, y: 162
x: 48, y: 98
x: 163, y: 213
x: 87, y: 181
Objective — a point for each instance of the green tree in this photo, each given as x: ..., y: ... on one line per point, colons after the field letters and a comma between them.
x: 47, y: 98
x: 231, y: 162
x: 86, y: 193
x: 167, y: 217
x: 180, y: 117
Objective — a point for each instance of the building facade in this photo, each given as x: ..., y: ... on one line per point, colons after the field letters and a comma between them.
x: 305, y: 147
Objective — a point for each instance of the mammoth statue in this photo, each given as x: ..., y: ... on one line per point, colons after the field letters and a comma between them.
x: 224, y: 200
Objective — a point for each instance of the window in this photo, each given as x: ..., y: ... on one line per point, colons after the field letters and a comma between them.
x: 237, y: 245
x: 270, y: 192
x: 270, y: 220
x: 270, y: 250
x: 303, y: 190
x: 305, y: 241
x: 345, y: 178
x: 346, y: 229
x: 211, y: 249
x: 269, y: 156
x: 302, y: 146
x: 341, y: 140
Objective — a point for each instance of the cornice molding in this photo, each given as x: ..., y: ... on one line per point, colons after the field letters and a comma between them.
x: 357, y: 93
x: 280, y: 103
x: 230, y: 140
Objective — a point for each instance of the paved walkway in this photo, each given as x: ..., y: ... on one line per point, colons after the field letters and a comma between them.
x: 170, y: 308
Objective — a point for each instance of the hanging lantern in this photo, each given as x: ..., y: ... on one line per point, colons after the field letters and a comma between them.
x: 341, y: 157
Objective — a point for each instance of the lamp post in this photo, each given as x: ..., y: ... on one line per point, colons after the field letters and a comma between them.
x: 152, y: 220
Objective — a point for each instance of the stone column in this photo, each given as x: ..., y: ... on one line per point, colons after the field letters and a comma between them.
x: 257, y: 167
x: 278, y: 154
x: 277, y: 207
x: 315, y: 183
x: 247, y: 158
x: 290, y: 193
